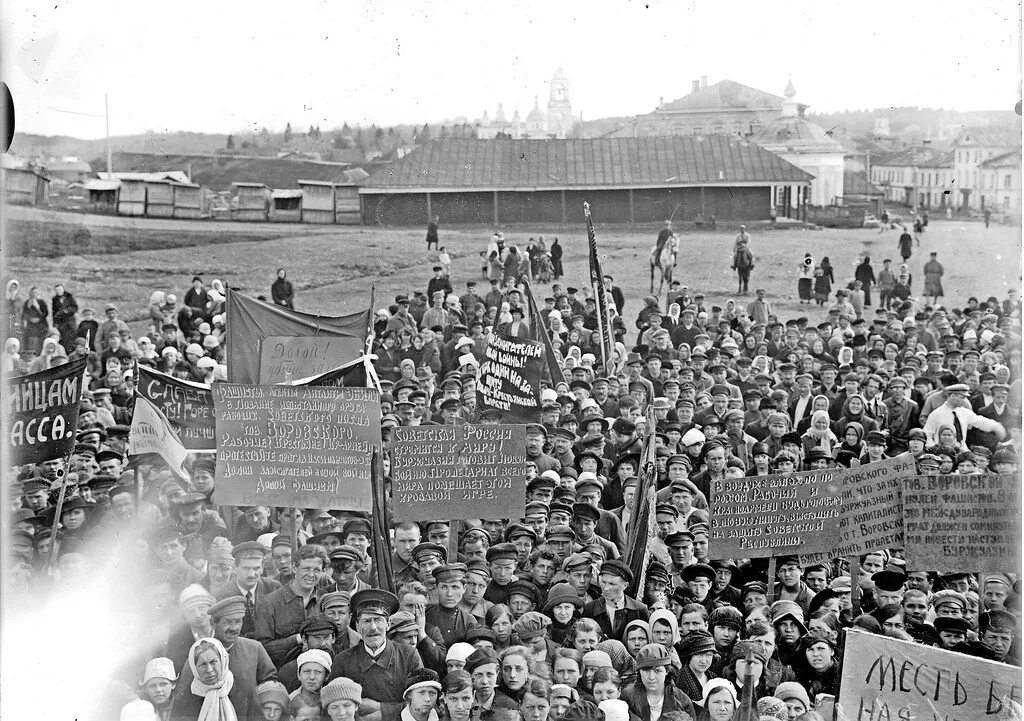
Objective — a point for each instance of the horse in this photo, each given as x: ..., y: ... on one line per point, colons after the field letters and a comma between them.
x: 665, y: 261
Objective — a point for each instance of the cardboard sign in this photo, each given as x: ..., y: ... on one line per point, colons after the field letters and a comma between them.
x: 885, y: 678
x: 510, y: 378
x: 187, y: 406
x: 963, y: 523
x: 295, y: 445
x: 284, y: 358
x: 458, y: 472
x: 42, y: 413
x: 871, y: 513
x: 817, y: 514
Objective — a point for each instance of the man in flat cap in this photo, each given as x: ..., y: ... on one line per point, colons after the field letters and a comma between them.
x: 247, y: 657
x: 614, y: 610
x: 317, y: 633
x: 956, y: 412
x: 248, y: 582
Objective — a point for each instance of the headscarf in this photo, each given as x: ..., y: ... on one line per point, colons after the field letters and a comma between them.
x: 157, y: 298
x: 858, y: 429
x: 12, y: 288
x: 641, y: 624
x: 674, y: 312
x: 216, y: 704
x: 666, y: 616
x: 813, y: 432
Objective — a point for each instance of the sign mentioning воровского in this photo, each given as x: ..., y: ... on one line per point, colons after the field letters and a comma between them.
x: 458, y: 472
x: 296, y: 445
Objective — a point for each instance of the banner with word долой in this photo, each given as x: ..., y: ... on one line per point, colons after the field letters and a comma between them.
x: 458, y: 472
x: 295, y: 445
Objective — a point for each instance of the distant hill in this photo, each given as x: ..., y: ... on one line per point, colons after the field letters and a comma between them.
x: 937, y: 124
x: 27, y: 145
x: 220, y: 171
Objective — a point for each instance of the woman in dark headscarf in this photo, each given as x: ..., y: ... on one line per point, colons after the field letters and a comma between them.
x: 282, y: 291
x: 35, y: 323
x: 65, y: 312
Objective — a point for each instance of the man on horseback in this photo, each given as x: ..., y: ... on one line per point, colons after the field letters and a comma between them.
x: 742, y: 259
x: 663, y: 235
x: 663, y: 255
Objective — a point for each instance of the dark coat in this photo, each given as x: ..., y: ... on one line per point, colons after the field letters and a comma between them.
x: 632, y: 611
x: 186, y: 705
x: 635, y: 695
x: 383, y: 678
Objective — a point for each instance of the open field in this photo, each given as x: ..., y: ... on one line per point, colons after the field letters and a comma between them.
x: 334, y: 267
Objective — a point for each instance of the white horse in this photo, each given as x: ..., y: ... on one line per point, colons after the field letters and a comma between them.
x: 665, y: 261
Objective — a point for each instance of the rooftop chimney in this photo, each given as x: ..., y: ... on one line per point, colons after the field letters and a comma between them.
x: 696, y: 86
x: 703, y: 81
x: 661, y: 100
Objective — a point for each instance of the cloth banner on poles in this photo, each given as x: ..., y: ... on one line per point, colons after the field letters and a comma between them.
x: 539, y: 331
x: 267, y: 343
x: 642, y: 525
x: 42, y: 413
x: 186, y: 405
x: 510, y: 378
x: 151, y: 432
x: 600, y: 292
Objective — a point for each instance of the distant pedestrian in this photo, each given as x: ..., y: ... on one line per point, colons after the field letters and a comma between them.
x: 918, y: 230
x: 933, y: 272
x: 905, y: 245
x: 742, y: 260
x: 884, y: 226
x: 988, y: 216
x: 432, y: 232
x: 886, y: 282
x: 282, y: 291
x: 65, y: 316
x: 556, y: 259
x: 35, y: 322
x: 866, y: 275
x: 804, y: 284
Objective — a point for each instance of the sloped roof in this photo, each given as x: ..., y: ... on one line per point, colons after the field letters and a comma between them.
x: 855, y: 182
x: 175, y: 176
x: 655, y: 162
x: 990, y: 136
x: 921, y: 156
x: 724, y: 95
x: 795, y: 133
x: 1013, y: 158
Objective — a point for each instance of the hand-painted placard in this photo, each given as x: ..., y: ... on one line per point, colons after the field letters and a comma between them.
x: 187, y: 406
x: 42, y: 413
x: 510, y: 378
x: 289, y: 358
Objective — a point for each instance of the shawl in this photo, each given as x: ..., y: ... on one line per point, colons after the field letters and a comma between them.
x: 216, y: 704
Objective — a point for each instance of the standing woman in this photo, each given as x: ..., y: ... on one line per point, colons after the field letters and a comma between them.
x: 35, y: 322
x: 432, y: 238
x: 803, y: 285
x: 65, y: 311
x: 14, y: 303
x: 282, y: 290
x: 655, y: 693
x: 556, y: 259
x: 214, y: 694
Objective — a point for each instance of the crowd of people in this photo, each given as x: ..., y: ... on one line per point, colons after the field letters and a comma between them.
x: 263, y: 613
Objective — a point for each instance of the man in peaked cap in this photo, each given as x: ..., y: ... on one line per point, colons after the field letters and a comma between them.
x: 448, y: 615
x: 502, y: 558
x: 614, y: 610
x: 247, y: 656
x: 248, y: 582
x: 380, y: 666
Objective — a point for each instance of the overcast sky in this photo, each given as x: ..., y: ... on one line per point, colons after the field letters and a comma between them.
x: 221, y: 67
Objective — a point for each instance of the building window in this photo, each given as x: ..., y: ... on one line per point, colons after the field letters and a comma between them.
x: 1007, y: 182
x: 697, y: 130
x: 1006, y: 201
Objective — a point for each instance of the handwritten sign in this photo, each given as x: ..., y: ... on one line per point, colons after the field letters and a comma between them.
x: 885, y: 678
x: 285, y: 358
x: 871, y: 509
x: 295, y: 445
x: 42, y: 413
x: 963, y: 523
x: 458, y: 472
x: 510, y: 378
x: 187, y: 406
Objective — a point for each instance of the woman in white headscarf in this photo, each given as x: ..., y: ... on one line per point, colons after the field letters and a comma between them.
x: 215, y: 694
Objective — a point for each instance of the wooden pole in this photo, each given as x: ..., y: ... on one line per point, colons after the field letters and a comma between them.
x: 771, y: 580
x: 747, y: 694
x: 854, y: 562
x: 61, y: 475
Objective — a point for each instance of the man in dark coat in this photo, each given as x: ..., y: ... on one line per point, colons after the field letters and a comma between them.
x: 378, y: 665
x: 247, y: 582
x: 614, y: 610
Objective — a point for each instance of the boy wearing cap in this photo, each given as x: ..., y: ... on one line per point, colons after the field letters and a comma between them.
x: 453, y: 621
x: 614, y: 610
x: 157, y: 685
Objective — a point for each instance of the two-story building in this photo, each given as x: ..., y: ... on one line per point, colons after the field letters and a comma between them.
x: 999, y: 183
x: 921, y: 177
x: 971, y: 149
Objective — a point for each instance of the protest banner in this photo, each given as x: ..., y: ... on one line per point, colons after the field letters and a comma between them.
x: 187, y: 406
x: 963, y: 523
x: 42, y: 413
x: 152, y: 432
x: 285, y: 358
x: 458, y: 472
x: 252, y: 325
x: 295, y: 445
x: 510, y: 378
x: 801, y: 512
x: 871, y: 512
x: 886, y: 678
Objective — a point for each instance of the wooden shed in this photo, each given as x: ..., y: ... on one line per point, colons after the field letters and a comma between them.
x: 190, y: 201
x: 132, y: 198
x: 102, y: 194
x: 25, y: 186
x: 317, y: 201
x: 253, y: 201
x: 287, y: 206
x: 347, y: 205
x: 159, y: 199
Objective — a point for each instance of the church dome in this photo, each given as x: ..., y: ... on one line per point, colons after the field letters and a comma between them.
x: 793, y: 133
x: 536, y: 115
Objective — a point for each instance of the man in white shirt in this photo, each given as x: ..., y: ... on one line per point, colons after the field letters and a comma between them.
x: 957, y: 413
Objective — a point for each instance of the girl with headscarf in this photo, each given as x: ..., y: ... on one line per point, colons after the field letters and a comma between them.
x: 215, y: 694
x: 13, y: 299
x: 665, y: 630
x: 674, y: 317
x: 10, y: 361
x: 851, y: 445
x: 819, y: 436
x: 803, y: 285
x: 855, y: 410
x: 282, y: 291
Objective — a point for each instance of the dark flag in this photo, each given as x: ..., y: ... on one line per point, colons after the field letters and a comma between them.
x: 604, y: 318
x: 539, y: 332
x: 349, y: 375
x: 42, y: 413
x: 186, y: 405
x: 642, y: 523
x: 510, y: 378
x: 381, y: 524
